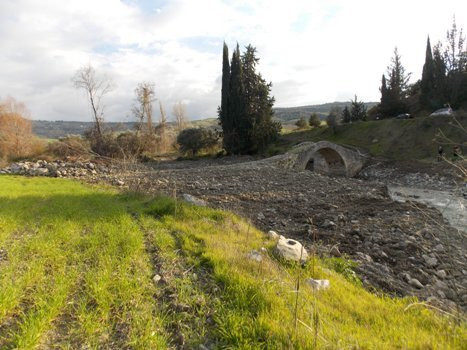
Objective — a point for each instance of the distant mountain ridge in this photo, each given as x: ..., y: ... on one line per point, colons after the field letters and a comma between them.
x: 286, y: 115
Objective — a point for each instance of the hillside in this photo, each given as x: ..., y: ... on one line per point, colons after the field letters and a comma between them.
x: 59, y: 128
x: 396, y: 139
x: 286, y: 115
x: 134, y: 272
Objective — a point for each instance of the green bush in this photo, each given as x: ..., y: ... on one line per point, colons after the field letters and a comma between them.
x: 301, y: 123
x: 196, y: 139
x: 314, y: 120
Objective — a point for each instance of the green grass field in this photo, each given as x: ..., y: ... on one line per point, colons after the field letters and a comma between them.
x: 77, y: 265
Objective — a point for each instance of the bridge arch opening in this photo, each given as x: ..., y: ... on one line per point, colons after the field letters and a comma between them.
x: 327, y: 161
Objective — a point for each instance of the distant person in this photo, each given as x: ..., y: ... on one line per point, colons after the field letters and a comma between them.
x: 440, y: 153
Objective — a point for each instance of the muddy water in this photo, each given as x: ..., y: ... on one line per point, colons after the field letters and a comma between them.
x: 452, y: 206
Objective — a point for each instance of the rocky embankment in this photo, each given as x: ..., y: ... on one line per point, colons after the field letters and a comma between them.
x: 402, y: 248
x: 56, y: 168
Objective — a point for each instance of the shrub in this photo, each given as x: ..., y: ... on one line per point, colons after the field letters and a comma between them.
x: 70, y: 146
x: 194, y: 140
x: 301, y: 123
x: 16, y: 137
x: 314, y: 120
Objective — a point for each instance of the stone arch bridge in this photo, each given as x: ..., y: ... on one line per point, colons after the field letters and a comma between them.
x: 323, y: 157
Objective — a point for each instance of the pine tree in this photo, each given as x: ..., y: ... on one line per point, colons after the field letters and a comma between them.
x: 357, y: 110
x: 455, y: 60
x: 346, y: 116
x: 258, y: 128
x: 427, y: 84
x: 439, y: 78
x: 224, y: 109
x: 398, y: 87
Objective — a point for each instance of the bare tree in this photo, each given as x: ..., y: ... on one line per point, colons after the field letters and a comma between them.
x: 163, y: 118
x: 85, y: 78
x: 16, y: 136
x: 162, y: 128
x: 333, y: 119
x: 145, y: 96
x: 180, y: 115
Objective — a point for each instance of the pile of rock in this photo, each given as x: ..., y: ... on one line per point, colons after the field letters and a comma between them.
x: 56, y: 168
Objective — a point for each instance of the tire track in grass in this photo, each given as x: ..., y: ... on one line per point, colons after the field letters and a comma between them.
x: 185, y: 292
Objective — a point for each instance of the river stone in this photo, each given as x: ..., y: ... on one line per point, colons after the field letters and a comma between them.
x: 255, y: 255
x: 42, y: 171
x: 193, y: 200
x: 15, y: 168
x: 290, y: 249
x: 156, y: 278
x: 318, y: 284
x: 430, y: 261
x: 273, y: 235
x: 415, y: 283
x: 335, y: 252
x: 441, y: 274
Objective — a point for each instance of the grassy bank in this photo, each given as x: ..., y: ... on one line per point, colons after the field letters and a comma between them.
x: 396, y: 139
x: 77, y: 266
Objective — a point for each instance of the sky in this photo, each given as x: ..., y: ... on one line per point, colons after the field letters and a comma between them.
x: 313, y: 51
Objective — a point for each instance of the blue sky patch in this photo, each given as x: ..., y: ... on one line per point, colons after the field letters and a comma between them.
x: 147, y: 6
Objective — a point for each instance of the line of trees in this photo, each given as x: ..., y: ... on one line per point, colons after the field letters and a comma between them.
x: 245, y: 113
x: 443, y: 82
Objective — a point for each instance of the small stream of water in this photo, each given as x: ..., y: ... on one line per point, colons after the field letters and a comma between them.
x: 453, y: 207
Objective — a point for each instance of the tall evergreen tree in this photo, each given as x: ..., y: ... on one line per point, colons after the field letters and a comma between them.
x: 440, y: 93
x: 346, y: 116
x: 246, y: 107
x: 258, y: 126
x: 357, y: 110
x: 224, y: 109
x: 398, y: 78
x: 234, y: 136
x: 455, y: 59
x: 384, y: 102
x: 427, y: 84
x: 397, y: 87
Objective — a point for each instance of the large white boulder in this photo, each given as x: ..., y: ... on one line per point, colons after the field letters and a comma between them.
x: 290, y: 249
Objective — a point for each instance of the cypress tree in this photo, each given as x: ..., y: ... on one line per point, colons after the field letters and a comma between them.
x: 233, y: 140
x: 224, y: 109
x: 427, y: 84
x: 246, y: 108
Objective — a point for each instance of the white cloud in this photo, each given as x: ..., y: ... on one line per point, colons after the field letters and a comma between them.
x: 313, y: 51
